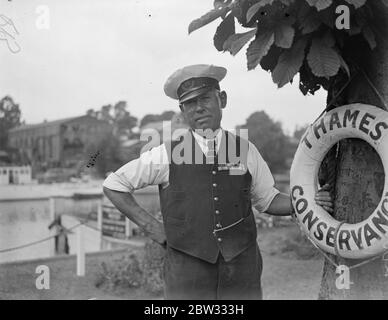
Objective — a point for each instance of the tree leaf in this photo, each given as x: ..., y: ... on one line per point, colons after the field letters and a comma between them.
x: 308, y: 83
x: 258, y: 48
x: 328, y: 39
x: 323, y: 60
x: 236, y: 41
x: 256, y: 7
x: 354, y: 30
x: 207, y: 18
x: 224, y: 31
x: 310, y: 24
x: 289, y: 64
x: 356, y: 3
x: 287, y: 2
x: 369, y: 36
x: 320, y: 4
x: 219, y: 4
x: 328, y: 17
x: 284, y: 36
x: 269, y: 61
x: 344, y: 65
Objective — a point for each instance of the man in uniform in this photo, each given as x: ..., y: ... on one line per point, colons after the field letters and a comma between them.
x: 208, y: 228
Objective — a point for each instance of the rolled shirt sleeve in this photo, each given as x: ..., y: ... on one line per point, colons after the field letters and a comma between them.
x: 263, y: 189
x: 151, y: 168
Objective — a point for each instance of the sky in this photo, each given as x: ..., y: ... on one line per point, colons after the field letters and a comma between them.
x: 97, y: 52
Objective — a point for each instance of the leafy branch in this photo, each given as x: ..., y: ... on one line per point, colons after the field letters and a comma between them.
x: 287, y: 37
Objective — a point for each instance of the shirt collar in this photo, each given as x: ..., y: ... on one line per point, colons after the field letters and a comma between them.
x: 203, y: 141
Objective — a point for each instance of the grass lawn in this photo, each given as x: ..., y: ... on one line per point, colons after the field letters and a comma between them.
x: 291, y: 271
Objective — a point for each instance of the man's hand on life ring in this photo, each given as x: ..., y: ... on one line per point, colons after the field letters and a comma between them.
x: 323, y: 198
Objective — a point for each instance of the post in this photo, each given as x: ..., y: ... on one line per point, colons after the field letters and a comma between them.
x: 80, y: 252
x: 99, y: 223
x: 52, y: 231
x: 128, y: 229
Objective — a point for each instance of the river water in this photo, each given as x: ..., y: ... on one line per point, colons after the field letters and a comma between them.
x: 23, y: 221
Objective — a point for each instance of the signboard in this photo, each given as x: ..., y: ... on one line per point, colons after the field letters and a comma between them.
x: 114, y: 223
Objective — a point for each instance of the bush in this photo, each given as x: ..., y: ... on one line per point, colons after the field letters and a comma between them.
x: 299, y: 246
x: 129, y: 272
x: 152, y: 266
x: 122, y: 272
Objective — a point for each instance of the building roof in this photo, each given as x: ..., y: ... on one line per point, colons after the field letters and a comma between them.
x: 42, y: 124
x: 47, y: 123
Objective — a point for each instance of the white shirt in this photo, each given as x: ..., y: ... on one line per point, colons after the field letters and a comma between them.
x: 152, y: 168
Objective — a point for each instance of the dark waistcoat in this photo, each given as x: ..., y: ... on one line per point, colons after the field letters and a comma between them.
x: 202, y: 198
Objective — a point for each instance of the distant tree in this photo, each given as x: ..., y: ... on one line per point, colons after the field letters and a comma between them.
x: 120, y: 109
x: 299, y: 131
x: 124, y: 122
x: 111, y: 154
x: 116, y: 115
x: 268, y: 136
x: 91, y: 113
x: 133, y: 152
x: 167, y: 115
x: 109, y: 158
x: 149, y: 118
x: 9, y: 118
x: 105, y: 113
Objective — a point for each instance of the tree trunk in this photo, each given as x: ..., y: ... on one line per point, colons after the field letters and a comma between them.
x: 360, y: 175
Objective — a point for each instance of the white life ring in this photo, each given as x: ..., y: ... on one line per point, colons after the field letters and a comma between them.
x: 354, y: 241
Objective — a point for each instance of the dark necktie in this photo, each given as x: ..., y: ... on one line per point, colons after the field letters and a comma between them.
x: 211, y: 152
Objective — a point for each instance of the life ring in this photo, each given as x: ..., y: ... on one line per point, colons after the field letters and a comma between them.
x: 353, y: 241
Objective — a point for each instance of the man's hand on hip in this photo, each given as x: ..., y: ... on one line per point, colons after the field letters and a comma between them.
x: 156, y: 233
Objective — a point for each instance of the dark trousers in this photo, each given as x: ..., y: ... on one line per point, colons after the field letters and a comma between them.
x: 187, y: 277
